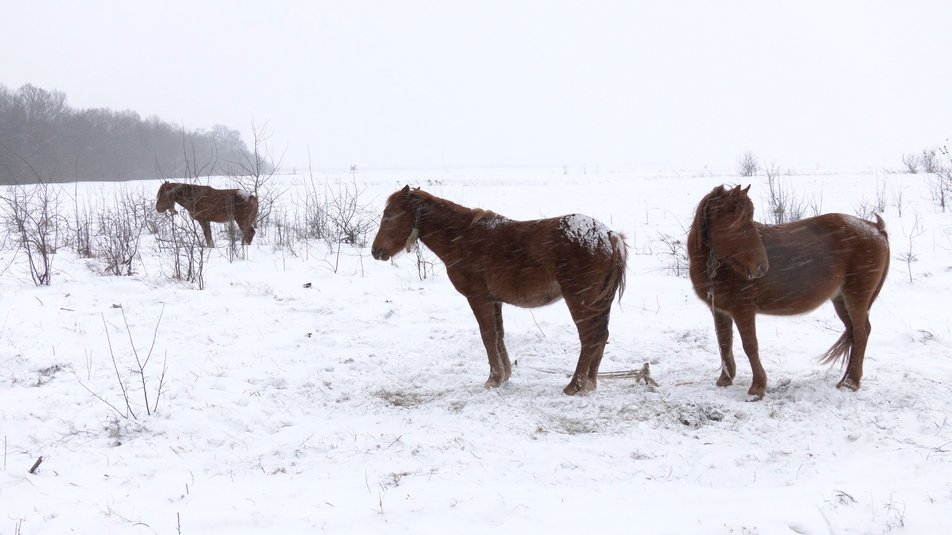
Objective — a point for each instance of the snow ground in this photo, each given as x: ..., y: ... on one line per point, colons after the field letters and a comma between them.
x: 356, y: 405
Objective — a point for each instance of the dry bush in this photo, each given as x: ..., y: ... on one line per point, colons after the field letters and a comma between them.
x: 911, y: 161
x: 930, y: 161
x: 782, y: 205
x: 128, y: 405
x: 31, y: 215
x: 675, y: 249
x: 747, y: 165
x: 120, y: 228
x: 186, y: 250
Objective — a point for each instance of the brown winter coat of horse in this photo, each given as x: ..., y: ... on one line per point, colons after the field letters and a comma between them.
x: 207, y: 205
x: 741, y: 268
x: 493, y: 260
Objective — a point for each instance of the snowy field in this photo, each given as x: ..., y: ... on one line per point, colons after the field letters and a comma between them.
x: 300, y: 399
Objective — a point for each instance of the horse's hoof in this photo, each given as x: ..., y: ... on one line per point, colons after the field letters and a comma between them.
x: 755, y: 394
x: 724, y: 381
x: 574, y: 388
x: 494, y: 382
x: 848, y: 383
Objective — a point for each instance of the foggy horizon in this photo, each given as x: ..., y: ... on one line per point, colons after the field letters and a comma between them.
x: 422, y: 84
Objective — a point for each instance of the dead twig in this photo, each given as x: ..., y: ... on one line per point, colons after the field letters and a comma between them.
x: 36, y: 464
x: 642, y: 375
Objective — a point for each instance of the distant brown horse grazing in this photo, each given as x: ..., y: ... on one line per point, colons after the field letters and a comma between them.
x: 206, y: 204
x: 740, y: 268
x: 493, y: 260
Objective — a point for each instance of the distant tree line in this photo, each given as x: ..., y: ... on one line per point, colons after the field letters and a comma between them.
x: 42, y: 139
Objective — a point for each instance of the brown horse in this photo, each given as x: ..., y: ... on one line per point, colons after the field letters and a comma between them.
x: 206, y: 204
x: 493, y: 260
x: 740, y: 268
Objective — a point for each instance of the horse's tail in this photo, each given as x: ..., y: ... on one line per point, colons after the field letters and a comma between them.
x: 881, y: 227
x: 619, y: 267
x: 841, y: 349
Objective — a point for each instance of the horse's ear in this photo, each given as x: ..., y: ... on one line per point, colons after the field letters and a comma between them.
x: 405, y: 190
x: 745, y: 190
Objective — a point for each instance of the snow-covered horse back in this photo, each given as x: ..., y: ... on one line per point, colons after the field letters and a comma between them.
x: 493, y: 260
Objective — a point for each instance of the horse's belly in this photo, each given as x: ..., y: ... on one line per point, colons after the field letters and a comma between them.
x: 527, y: 293
x: 790, y: 302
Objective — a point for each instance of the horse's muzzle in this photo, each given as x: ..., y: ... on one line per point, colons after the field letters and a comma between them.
x: 378, y: 254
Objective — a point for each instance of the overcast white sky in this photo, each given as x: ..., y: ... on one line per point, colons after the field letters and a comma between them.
x: 676, y: 85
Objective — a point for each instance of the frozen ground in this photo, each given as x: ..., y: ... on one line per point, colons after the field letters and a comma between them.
x: 356, y: 405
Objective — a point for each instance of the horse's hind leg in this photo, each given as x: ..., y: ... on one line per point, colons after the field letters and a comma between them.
x: 858, y: 311
x: 489, y: 317
x: 501, y: 344
x: 592, y: 327
x: 724, y: 329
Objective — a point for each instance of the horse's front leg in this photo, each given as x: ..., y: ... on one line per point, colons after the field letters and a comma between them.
x: 724, y: 328
x: 489, y: 317
x: 207, y: 230
x: 747, y: 327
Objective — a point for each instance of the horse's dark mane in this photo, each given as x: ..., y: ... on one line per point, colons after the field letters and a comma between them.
x: 427, y: 203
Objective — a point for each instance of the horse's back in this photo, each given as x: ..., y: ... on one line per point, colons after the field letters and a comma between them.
x: 814, y: 258
x: 532, y: 263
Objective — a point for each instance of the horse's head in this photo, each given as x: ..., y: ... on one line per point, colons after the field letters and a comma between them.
x: 164, y: 200
x: 399, y: 225
x: 728, y: 218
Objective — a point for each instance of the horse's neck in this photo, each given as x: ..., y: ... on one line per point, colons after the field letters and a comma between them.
x: 444, y: 226
x: 186, y: 195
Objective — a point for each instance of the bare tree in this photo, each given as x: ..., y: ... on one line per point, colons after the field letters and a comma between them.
x: 911, y: 161
x: 254, y: 171
x: 747, y: 165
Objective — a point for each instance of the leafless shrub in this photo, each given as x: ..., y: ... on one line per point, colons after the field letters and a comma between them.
x: 747, y: 165
x: 79, y: 235
x: 898, y: 195
x: 426, y: 263
x: 152, y: 222
x: 911, y: 161
x: 941, y: 187
x: 782, y: 205
x: 816, y: 205
x: 187, y: 251
x: 31, y: 216
x: 866, y: 209
x: 254, y: 172
x: 678, y: 263
x: 128, y: 411
x: 908, y: 256
x: 351, y: 220
x: 117, y: 241
x: 930, y: 160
